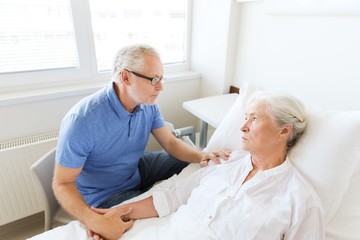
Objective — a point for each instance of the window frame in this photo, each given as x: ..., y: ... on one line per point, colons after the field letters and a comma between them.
x: 87, y: 71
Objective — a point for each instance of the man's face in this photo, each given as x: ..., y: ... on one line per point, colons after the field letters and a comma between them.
x: 141, y: 89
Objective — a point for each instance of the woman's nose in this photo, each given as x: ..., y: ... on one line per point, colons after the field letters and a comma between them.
x: 244, y: 127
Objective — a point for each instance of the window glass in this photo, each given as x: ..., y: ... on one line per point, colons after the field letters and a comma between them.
x: 36, y: 35
x: 160, y: 23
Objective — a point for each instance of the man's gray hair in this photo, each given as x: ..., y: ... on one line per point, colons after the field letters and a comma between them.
x: 284, y: 109
x: 131, y: 58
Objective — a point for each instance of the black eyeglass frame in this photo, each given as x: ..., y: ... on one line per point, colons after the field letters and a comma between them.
x: 154, y: 81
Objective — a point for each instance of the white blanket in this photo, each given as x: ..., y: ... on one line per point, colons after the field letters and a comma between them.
x: 179, y: 227
x: 150, y: 229
x: 75, y: 230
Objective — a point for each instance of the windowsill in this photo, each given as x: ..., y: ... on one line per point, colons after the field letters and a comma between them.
x: 57, y: 92
x: 246, y: 1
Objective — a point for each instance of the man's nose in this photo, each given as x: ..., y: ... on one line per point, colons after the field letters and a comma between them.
x: 160, y: 85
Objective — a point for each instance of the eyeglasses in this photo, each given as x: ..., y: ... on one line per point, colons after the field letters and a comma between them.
x: 154, y: 81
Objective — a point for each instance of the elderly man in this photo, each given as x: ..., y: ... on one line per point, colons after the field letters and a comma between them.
x: 100, y: 159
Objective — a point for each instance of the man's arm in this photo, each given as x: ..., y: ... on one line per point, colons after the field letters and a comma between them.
x: 109, y: 225
x: 180, y: 150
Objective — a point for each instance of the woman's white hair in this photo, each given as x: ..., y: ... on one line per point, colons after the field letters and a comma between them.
x: 131, y: 58
x: 284, y: 109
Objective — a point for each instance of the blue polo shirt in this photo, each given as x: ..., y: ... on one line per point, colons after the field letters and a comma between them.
x: 101, y: 137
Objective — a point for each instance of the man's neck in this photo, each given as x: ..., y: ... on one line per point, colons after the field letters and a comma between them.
x: 124, y: 98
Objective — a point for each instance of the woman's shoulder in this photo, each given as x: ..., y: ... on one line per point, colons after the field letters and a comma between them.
x: 304, y: 191
x: 237, y: 155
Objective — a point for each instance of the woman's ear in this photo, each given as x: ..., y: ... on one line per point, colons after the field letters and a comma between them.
x: 287, y: 129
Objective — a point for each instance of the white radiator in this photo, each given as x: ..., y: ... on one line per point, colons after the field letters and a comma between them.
x: 18, y: 188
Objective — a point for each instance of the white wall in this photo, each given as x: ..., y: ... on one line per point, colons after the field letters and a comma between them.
x: 214, y: 40
x: 33, y: 118
x: 316, y: 58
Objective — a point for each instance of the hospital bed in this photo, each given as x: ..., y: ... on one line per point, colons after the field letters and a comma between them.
x: 327, y: 155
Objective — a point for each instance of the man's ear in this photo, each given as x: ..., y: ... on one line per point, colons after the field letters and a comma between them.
x: 124, y: 77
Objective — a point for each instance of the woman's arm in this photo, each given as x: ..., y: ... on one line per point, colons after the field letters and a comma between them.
x: 142, y: 209
x: 308, y: 225
x: 138, y: 210
x: 167, y: 200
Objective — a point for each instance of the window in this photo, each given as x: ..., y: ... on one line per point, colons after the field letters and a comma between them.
x: 36, y: 35
x: 50, y: 41
x: 160, y: 23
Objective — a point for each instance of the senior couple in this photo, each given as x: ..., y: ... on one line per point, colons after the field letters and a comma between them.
x: 255, y: 194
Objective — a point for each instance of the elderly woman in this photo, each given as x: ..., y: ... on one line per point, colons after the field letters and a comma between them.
x: 256, y: 194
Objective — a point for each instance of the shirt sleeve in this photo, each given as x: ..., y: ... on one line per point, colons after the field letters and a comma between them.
x: 308, y: 225
x: 158, y: 121
x: 74, y: 142
x: 168, y: 201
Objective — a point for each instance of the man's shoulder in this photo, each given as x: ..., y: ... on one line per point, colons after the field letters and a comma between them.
x: 90, y: 104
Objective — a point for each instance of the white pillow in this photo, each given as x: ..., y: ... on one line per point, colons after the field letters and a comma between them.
x: 346, y: 222
x: 328, y: 153
x: 327, y: 156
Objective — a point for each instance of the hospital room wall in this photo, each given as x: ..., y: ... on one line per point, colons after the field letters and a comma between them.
x: 305, y: 55
x: 234, y: 42
x: 214, y: 41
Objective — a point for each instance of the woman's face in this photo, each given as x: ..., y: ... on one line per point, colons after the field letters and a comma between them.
x: 259, y: 131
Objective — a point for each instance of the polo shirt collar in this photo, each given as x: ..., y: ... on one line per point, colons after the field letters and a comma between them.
x: 116, y: 104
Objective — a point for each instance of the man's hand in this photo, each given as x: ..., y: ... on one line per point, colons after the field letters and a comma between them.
x: 125, y: 217
x: 207, y: 156
x: 116, y: 222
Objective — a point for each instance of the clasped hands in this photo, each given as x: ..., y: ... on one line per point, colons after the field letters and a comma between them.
x: 115, y: 222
